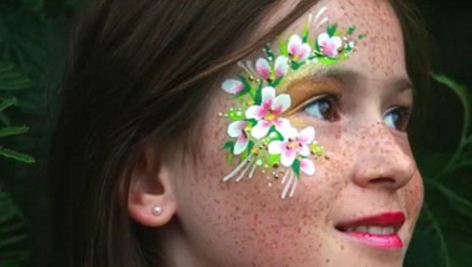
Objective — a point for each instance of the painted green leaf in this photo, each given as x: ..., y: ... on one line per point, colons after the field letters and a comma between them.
x: 18, y: 156
x: 229, y: 145
x: 351, y: 30
x: 258, y: 96
x: 273, y: 160
x: 247, y: 86
x: 229, y: 158
x: 332, y: 29
x: 283, y: 47
x: 296, y: 168
x: 316, y: 149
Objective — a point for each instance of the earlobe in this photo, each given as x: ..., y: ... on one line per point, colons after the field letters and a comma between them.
x: 151, y: 200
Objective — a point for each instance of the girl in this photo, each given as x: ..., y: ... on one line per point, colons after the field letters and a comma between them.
x: 238, y: 133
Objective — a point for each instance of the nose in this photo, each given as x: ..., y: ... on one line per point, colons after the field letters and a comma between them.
x: 383, y: 160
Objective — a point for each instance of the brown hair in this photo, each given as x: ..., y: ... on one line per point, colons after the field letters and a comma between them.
x: 138, y: 70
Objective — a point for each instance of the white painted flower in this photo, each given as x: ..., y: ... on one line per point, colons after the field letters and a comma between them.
x: 268, y: 113
x: 237, y: 130
x: 298, y: 50
x: 329, y: 45
x: 295, y: 143
x: 232, y: 86
x: 268, y: 72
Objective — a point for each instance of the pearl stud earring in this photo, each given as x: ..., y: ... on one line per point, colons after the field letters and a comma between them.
x: 156, y: 210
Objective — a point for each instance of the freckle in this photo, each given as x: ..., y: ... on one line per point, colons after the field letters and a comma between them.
x: 342, y: 247
x: 327, y: 260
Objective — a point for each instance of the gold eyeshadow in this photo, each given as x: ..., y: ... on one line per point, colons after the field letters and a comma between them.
x: 302, y: 91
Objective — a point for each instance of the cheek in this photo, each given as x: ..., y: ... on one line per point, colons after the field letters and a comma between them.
x: 413, y: 195
x: 233, y: 217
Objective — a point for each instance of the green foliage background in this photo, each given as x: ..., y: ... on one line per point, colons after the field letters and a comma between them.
x: 32, y: 53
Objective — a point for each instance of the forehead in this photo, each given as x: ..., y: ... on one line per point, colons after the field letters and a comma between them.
x: 380, y: 54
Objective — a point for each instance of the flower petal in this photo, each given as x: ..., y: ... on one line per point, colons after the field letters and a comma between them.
x: 281, y: 103
x: 294, y: 44
x: 307, y: 135
x: 263, y: 68
x: 241, y: 145
x: 275, y: 147
x: 255, y: 112
x: 323, y: 38
x: 284, y: 127
x: 232, y: 86
x: 336, y: 41
x: 261, y: 129
x: 281, y: 66
x: 288, y: 156
x: 235, y: 129
x: 304, y: 150
x: 307, y: 167
x: 268, y: 95
x: 304, y: 52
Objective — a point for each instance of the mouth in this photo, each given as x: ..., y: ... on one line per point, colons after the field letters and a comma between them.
x: 379, y: 231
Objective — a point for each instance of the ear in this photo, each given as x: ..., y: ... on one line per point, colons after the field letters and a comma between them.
x: 150, y: 187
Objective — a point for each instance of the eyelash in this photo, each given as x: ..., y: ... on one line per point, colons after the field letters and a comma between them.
x: 332, y: 113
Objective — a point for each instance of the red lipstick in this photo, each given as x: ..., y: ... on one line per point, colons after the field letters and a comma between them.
x: 379, y: 231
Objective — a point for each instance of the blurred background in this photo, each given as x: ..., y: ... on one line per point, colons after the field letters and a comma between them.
x: 33, y: 40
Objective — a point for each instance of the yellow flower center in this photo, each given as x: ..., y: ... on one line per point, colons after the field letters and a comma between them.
x: 270, y: 117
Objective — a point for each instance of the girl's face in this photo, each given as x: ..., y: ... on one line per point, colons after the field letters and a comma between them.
x: 358, y: 109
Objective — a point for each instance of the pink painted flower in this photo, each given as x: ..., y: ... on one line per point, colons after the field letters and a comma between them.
x: 237, y: 130
x: 232, y: 86
x: 295, y: 144
x: 329, y: 45
x: 268, y: 113
x: 266, y: 71
x: 298, y: 50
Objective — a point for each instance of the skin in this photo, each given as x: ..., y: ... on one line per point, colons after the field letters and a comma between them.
x: 370, y: 170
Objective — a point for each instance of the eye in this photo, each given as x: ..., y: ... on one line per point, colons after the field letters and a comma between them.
x: 397, y: 118
x: 322, y: 108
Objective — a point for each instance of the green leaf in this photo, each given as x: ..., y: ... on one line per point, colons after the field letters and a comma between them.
x: 18, y: 156
x: 35, y: 5
x: 13, y: 234
x: 11, y: 78
x: 462, y: 93
x: 8, y: 102
x: 9, y: 131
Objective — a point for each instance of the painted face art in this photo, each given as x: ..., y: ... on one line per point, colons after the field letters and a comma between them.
x: 259, y: 133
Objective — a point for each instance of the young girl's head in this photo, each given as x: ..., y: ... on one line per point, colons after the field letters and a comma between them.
x: 238, y: 133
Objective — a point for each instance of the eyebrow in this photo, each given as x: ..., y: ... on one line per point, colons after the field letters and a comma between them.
x: 334, y: 81
x: 348, y: 76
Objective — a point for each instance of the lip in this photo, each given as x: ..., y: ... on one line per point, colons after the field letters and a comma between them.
x: 388, y: 219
